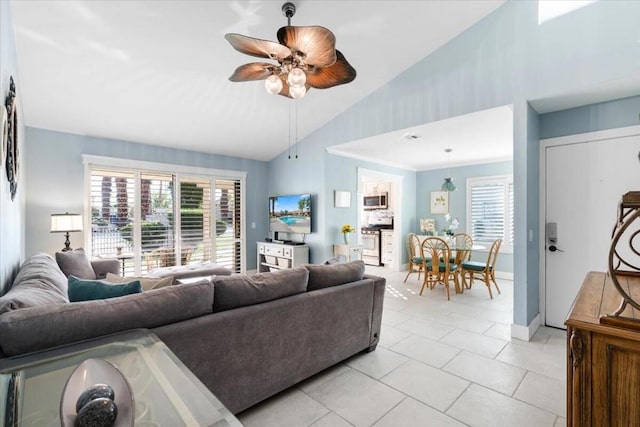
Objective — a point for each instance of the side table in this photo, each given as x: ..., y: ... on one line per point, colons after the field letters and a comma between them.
x: 350, y: 252
x: 165, y: 392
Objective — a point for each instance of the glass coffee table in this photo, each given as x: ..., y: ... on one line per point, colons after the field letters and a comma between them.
x: 165, y: 392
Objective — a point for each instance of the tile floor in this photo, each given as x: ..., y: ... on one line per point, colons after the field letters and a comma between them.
x: 439, y: 363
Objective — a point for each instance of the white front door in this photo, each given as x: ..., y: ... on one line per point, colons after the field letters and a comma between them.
x: 584, y: 181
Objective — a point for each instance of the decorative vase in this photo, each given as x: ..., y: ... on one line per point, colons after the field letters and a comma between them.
x: 346, y: 238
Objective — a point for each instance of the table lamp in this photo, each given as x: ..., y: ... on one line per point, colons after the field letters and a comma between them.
x: 66, y: 223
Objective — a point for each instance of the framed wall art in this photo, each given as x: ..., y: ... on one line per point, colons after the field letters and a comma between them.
x: 439, y: 202
x: 341, y: 199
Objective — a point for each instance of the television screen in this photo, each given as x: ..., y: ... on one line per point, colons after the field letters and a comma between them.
x: 290, y: 214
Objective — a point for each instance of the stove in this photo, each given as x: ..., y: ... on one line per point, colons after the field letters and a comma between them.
x: 371, y: 237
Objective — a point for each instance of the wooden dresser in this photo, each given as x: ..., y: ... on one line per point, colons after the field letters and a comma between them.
x: 603, y: 355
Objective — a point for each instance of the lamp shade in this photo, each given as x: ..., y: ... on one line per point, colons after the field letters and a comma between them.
x: 448, y: 185
x: 66, y: 222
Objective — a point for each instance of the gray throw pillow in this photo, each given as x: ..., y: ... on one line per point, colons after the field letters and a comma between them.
x: 241, y: 290
x: 147, y: 283
x: 75, y: 263
x: 39, y: 282
x: 324, y: 276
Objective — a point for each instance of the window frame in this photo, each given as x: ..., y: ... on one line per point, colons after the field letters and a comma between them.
x: 506, y: 181
x: 137, y: 167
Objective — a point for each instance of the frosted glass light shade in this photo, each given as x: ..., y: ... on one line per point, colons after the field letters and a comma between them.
x: 273, y: 84
x: 296, y: 77
x: 297, y: 92
x: 448, y: 185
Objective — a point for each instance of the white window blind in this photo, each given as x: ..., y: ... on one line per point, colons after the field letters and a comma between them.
x: 490, y: 210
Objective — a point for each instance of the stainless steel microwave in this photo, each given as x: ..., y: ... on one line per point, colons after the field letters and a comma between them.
x: 375, y: 201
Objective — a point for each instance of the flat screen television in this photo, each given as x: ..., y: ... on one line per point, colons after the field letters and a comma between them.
x: 290, y: 214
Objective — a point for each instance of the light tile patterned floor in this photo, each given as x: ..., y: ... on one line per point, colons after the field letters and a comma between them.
x: 439, y: 363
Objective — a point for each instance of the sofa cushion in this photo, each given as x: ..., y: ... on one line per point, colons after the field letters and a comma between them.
x: 241, y: 290
x: 324, y: 276
x: 86, y: 290
x: 147, y: 283
x: 39, y: 282
x: 194, y: 269
x: 75, y: 263
x: 37, y: 328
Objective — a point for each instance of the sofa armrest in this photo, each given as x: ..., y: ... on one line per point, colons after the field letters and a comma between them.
x: 379, y: 285
x: 103, y: 266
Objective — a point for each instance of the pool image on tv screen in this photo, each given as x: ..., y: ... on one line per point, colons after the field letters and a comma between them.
x: 290, y: 214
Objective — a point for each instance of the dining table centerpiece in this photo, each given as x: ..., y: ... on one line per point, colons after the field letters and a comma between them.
x: 452, y: 226
x: 345, y: 230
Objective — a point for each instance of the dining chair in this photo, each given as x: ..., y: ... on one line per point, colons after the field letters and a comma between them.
x: 463, y: 244
x: 415, y: 258
x: 440, y: 272
x: 484, y: 271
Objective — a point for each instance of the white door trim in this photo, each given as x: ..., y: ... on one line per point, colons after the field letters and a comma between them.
x: 552, y: 142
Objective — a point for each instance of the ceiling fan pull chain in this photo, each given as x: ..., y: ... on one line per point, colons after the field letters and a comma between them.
x: 296, y: 107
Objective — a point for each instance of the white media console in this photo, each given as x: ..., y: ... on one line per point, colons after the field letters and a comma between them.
x: 278, y: 256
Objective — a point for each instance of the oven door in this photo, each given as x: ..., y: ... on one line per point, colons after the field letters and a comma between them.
x: 371, y: 248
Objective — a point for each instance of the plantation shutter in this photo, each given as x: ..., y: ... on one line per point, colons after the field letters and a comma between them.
x: 195, y: 219
x: 228, y: 223
x: 487, y: 212
x: 157, y: 225
x: 490, y: 210
x: 112, y: 203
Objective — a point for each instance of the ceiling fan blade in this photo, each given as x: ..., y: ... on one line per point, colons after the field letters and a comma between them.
x: 315, y: 45
x: 339, y: 73
x: 252, y: 71
x: 257, y: 47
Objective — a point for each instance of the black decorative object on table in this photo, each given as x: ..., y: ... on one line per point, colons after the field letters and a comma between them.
x: 100, y: 412
x: 97, y: 394
x: 94, y: 392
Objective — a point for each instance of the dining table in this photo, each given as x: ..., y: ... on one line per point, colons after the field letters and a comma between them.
x: 453, y: 248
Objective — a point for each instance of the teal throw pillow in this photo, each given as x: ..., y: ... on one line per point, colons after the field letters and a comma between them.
x: 85, y: 290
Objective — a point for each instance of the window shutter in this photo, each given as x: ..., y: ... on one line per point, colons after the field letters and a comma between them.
x: 228, y: 219
x: 487, y: 212
x: 112, y: 202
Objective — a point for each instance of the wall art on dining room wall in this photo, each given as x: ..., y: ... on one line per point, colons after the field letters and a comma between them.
x: 439, y: 202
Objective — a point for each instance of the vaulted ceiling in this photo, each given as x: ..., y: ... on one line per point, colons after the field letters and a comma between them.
x: 157, y: 72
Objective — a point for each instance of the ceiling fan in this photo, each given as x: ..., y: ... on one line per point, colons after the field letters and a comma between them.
x: 306, y: 56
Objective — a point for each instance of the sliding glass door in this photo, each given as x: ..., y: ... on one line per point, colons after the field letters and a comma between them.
x: 152, y: 219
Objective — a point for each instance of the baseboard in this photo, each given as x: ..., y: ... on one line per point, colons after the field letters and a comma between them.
x: 504, y: 275
x: 525, y: 333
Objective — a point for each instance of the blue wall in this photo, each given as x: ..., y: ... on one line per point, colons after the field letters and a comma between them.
x: 56, y: 181
x: 506, y: 59
x: 11, y: 212
x: 428, y: 181
x: 590, y: 118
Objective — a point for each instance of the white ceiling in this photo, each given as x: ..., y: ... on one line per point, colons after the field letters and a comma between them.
x: 157, y: 72
x: 480, y: 137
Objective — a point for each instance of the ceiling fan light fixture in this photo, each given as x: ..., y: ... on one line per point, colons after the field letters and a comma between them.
x: 273, y: 84
x: 296, y: 77
x: 297, y: 92
x: 307, y: 57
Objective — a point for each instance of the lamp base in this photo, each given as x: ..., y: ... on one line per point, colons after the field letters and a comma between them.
x: 67, y: 244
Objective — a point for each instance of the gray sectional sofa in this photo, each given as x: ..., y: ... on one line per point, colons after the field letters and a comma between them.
x: 246, y: 337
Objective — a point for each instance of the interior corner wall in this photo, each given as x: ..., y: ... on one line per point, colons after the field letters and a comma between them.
x: 12, y: 228
x: 56, y: 182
